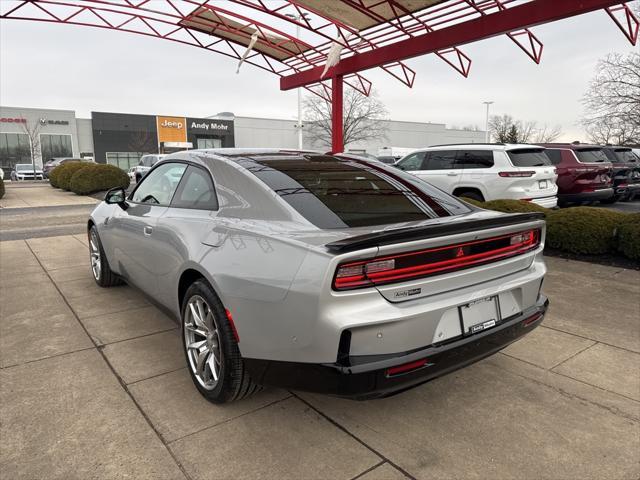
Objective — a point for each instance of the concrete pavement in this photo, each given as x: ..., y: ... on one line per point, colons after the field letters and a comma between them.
x: 93, y: 385
x: 35, y: 209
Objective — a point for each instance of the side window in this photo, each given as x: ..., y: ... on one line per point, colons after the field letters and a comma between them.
x: 158, y: 186
x: 554, y: 155
x: 412, y: 162
x: 195, y: 191
x: 474, y: 159
x: 441, y: 160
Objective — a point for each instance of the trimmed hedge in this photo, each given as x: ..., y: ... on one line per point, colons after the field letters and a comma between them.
x: 584, y: 230
x: 53, y: 176
x: 511, y: 206
x: 629, y: 236
x: 581, y: 230
x: 66, y: 171
x: 1, y: 188
x: 98, y: 177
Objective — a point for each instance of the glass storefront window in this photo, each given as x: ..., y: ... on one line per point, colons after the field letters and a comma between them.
x: 123, y: 160
x: 14, y: 148
x: 55, y: 146
x: 209, y: 143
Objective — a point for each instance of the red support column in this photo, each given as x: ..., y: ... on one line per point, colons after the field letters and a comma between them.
x: 337, y: 138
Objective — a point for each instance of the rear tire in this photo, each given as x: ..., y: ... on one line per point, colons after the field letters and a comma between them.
x: 210, y: 347
x: 102, y: 273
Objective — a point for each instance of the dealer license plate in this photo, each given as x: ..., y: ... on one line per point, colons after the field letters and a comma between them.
x: 479, y: 315
x: 542, y: 184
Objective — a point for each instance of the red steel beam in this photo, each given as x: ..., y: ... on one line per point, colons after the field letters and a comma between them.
x: 337, y: 125
x: 499, y: 23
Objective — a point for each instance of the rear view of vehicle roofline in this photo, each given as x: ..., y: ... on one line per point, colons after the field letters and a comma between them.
x: 325, y: 273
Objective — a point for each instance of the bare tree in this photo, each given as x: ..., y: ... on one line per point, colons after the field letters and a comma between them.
x: 499, y: 126
x: 505, y: 129
x: 363, y: 118
x: 32, y: 130
x: 142, y: 142
x: 547, y: 134
x: 612, y: 101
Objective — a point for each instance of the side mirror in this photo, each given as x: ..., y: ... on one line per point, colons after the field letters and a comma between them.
x: 397, y: 165
x: 117, y: 196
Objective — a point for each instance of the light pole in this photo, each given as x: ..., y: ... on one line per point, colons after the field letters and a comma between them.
x: 486, y: 123
x: 297, y: 19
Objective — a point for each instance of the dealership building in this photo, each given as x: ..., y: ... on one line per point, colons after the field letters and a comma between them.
x: 122, y: 138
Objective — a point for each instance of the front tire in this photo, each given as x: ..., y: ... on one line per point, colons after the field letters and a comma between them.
x: 102, y: 273
x: 210, y: 347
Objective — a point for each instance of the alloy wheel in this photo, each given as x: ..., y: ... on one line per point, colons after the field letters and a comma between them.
x: 94, y: 253
x: 202, y: 342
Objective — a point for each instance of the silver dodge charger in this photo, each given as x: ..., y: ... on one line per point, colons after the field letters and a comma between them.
x: 325, y: 273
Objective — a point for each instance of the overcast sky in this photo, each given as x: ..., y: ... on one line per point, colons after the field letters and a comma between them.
x: 87, y: 69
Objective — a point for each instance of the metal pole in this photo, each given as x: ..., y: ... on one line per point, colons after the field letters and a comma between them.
x: 337, y: 140
x: 486, y: 123
x: 299, y: 119
x: 299, y: 101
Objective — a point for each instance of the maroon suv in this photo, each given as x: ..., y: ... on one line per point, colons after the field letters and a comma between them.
x: 584, y: 172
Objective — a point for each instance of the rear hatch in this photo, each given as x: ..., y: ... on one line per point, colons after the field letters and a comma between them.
x: 627, y: 168
x: 532, y: 171
x: 594, y: 170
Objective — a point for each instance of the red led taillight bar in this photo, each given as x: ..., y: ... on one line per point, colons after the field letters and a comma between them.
x: 423, y: 263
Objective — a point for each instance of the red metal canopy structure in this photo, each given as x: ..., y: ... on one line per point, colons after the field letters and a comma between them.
x: 322, y: 44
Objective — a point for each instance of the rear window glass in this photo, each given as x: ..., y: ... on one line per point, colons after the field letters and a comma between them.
x: 554, y: 155
x: 333, y: 192
x: 626, y: 155
x: 591, y: 155
x: 528, y: 157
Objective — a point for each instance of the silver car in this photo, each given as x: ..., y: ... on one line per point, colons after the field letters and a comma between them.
x: 321, y: 273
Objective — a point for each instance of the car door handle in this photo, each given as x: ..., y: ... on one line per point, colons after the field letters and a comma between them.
x: 452, y: 174
x: 148, y: 230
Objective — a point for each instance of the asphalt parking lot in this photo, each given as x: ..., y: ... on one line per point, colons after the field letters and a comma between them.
x: 93, y: 385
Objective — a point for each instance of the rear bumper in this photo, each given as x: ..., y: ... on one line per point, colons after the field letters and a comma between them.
x: 366, y: 377
x: 628, y: 190
x: 601, y: 194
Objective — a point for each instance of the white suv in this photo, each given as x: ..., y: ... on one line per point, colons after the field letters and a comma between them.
x: 145, y: 164
x: 487, y: 171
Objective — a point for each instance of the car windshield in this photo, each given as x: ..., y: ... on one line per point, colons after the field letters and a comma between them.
x: 334, y: 192
x: 591, y: 155
x: 528, y: 157
x: 24, y: 168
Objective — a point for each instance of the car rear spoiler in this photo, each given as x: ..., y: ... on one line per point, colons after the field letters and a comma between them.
x: 389, y: 237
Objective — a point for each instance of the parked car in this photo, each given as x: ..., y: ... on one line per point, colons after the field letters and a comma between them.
x: 625, y: 173
x: 584, y: 172
x: 386, y: 159
x: 316, y: 272
x: 393, y: 154
x: 145, y: 164
x: 26, y: 171
x: 54, y: 162
x: 487, y: 171
x: 364, y: 155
